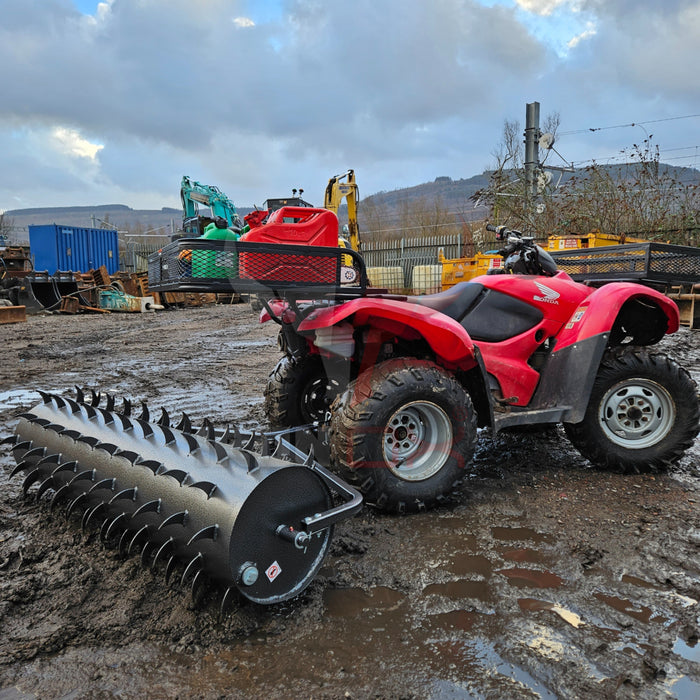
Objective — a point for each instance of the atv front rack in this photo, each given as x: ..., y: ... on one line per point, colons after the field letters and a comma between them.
x: 265, y: 269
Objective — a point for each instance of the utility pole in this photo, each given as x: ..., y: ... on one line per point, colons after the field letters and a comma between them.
x: 532, y: 155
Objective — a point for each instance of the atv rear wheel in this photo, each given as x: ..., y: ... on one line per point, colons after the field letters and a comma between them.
x: 299, y: 391
x: 403, y: 432
x: 642, y: 415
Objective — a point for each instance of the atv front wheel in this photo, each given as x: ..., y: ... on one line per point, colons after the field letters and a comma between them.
x: 643, y: 413
x: 403, y: 431
x: 299, y: 391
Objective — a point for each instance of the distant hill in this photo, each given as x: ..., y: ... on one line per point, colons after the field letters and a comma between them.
x: 454, y: 195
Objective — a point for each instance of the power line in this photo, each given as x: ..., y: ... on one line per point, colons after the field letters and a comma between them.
x: 622, y: 126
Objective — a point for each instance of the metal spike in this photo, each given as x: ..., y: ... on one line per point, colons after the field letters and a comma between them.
x: 127, y: 407
x: 33, y: 476
x: 49, y: 459
x: 251, y: 443
x: 89, y: 514
x: 146, y: 552
x: 104, y: 484
x: 107, y: 416
x: 58, y: 495
x: 44, y: 486
x: 170, y: 567
x: 33, y: 419
x: 226, y: 601
x: 123, y: 549
x: 134, y: 540
x: 73, y: 434
x: 88, y: 440
x: 309, y: 457
x: 266, y: 446
x: 206, y: 533
x: 129, y: 494
x: 197, y: 561
x: 110, y: 402
x: 10, y: 439
x: 74, y: 406
x: 90, y: 411
x: 65, y: 467
x: 145, y: 413
x: 237, y: 439
x: 192, y: 443
x: 112, y: 525
x: 73, y: 504
x: 46, y: 398
x: 146, y: 427
x: 251, y: 460
x: 177, y: 474
x: 185, y: 424
x: 207, y: 430
x: 221, y: 452
x: 164, y: 420
x: 151, y: 464
x: 108, y: 447
x: 106, y: 523
x: 278, y: 448
x: 56, y: 427
x: 167, y: 545
x: 20, y: 467
x: 87, y: 475
x: 169, y: 435
x: 133, y: 457
x: 60, y: 401
x: 207, y: 486
x: 79, y: 396
x: 127, y: 425
x: 96, y: 396
x: 197, y: 581
x: 150, y: 507
x: 34, y: 452
x: 176, y: 518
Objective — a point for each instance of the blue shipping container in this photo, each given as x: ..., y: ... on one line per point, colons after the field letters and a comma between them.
x: 55, y: 247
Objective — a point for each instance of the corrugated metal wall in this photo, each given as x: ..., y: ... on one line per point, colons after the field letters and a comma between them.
x: 72, y: 248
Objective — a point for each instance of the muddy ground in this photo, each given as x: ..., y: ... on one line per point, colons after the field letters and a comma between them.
x: 545, y: 579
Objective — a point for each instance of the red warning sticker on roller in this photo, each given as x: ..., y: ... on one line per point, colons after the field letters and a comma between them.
x: 273, y: 571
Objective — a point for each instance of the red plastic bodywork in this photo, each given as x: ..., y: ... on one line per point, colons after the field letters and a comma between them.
x: 571, y: 312
x: 450, y: 342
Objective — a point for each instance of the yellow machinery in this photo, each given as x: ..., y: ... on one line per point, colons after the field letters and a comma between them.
x: 338, y: 188
x: 594, y: 239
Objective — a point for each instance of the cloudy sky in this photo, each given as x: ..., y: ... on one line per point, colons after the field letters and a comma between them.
x: 112, y: 102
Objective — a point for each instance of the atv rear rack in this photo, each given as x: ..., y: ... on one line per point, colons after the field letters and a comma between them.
x: 265, y: 269
x: 648, y: 263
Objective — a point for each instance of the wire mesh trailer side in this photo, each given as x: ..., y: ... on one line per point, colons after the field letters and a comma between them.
x: 201, y: 265
x: 653, y: 262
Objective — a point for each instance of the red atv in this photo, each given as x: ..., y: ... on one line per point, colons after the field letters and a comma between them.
x: 403, y: 382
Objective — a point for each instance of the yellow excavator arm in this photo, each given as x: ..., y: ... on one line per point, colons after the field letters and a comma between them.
x: 341, y: 187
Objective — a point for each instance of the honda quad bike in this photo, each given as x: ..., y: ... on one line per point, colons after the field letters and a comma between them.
x: 393, y: 388
x: 403, y: 382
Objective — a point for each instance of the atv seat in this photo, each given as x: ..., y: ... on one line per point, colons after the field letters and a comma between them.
x: 454, y: 302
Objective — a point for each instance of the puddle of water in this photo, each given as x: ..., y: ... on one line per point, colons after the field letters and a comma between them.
x: 687, y: 651
x: 356, y: 602
x: 686, y: 689
x: 518, y: 534
x: 531, y: 578
x: 529, y: 556
x: 638, y: 612
x: 465, y: 564
x: 457, y: 590
x: 639, y: 582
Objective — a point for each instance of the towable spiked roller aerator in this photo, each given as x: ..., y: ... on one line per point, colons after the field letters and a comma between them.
x: 246, y: 510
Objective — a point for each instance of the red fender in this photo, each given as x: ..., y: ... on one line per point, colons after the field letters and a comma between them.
x: 597, y: 313
x: 447, y: 338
